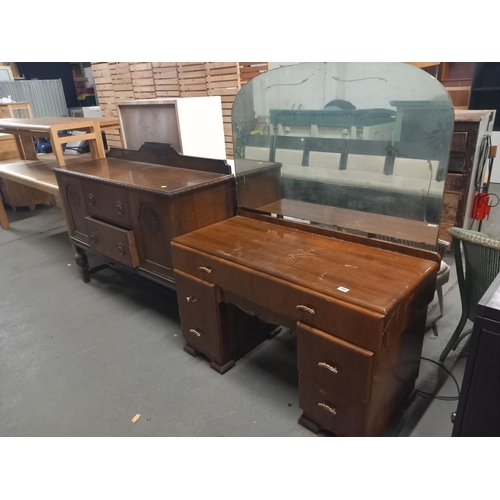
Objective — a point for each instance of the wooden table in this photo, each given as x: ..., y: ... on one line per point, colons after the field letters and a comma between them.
x: 8, y: 110
x: 358, y: 311
x: 37, y: 174
x: 24, y: 129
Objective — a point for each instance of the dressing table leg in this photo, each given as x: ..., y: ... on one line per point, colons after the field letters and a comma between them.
x: 222, y: 368
x: 309, y: 424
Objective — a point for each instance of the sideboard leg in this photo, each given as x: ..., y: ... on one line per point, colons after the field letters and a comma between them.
x: 83, y: 264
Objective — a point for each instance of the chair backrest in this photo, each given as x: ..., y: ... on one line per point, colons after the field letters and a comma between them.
x: 366, y: 156
x: 289, y: 150
x: 412, y: 159
x: 477, y: 259
x: 259, y: 147
x: 325, y: 152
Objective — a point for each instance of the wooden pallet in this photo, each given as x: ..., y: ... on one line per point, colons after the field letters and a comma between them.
x: 147, y: 80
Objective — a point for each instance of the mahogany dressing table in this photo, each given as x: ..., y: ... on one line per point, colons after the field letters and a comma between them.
x: 352, y: 283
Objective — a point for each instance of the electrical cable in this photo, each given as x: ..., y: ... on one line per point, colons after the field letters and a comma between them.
x: 484, y: 150
x: 434, y: 396
x: 480, y: 185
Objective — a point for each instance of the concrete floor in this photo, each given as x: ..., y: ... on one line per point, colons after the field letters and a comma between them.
x: 82, y: 359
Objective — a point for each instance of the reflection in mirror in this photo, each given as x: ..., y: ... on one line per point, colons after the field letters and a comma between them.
x: 361, y: 147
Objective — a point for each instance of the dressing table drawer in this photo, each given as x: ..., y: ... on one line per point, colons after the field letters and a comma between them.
x: 337, y: 366
x: 347, y: 321
x: 107, y: 202
x: 202, y: 334
x: 113, y: 242
x: 196, y: 297
x: 337, y: 414
x: 334, y: 317
x: 228, y: 276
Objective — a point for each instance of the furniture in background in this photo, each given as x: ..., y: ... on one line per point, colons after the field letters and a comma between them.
x: 38, y: 175
x: 129, y: 206
x: 46, y: 97
x: 13, y: 193
x: 477, y: 261
x: 8, y: 147
x: 25, y: 129
x: 8, y: 110
x: 478, y: 412
x: 485, y: 91
x: 470, y: 128
x: 192, y: 125
x: 17, y: 195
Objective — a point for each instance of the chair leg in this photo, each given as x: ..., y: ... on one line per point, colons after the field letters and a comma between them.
x: 440, y: 298
x: 453, y: 338
x: 457, y: 343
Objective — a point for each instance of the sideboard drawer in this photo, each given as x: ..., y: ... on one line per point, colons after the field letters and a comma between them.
x: 107, y: 202
x: 113, y: 242
x: 341, y: 367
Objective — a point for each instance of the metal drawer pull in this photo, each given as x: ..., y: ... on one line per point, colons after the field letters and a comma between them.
x: 91, y: 199
x: 119, y: 207
x: 196, y: 332
x: 93, y: 237
x: 208, y: 270
x: 333, y: 411
x: 333, y: 369
x: 191, y: 299
x: 121, y: 249
x: 309, y: 310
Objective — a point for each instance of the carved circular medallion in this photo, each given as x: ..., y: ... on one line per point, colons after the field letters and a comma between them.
x: 150, y: 218
x: 73, y: 196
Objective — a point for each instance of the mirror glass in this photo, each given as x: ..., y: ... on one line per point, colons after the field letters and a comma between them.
x: 358, y: 147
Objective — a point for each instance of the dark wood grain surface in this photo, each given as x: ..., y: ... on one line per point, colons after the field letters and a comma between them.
x: 161, y: 178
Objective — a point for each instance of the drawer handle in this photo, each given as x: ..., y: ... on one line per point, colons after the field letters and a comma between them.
x: 207, y: 270
x: 333, y: 369
x: 121, y: 249
x: 309, y: 310
x: 333, y: 411
x: 119, y: 207
x: 196, y: 332
x: 191, y: 299
x: 93, y: 237
x: 91, y: 199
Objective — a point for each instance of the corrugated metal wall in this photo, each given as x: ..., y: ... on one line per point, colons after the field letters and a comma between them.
x: 45, y: 96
